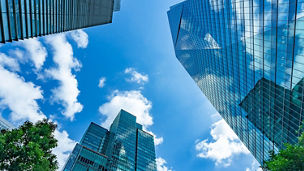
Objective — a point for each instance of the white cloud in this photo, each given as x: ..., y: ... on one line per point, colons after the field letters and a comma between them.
x: 136, y: 76
x: 224, y: 146
x: 64, y: 148
x: 11, y: 63
x: 138, y: 105
x: 102, y: 81
x: 161, y: 165
x: 158, y: 140
x: 36, y: 51
x: 80, y: 37
x: 131, y: 101
x: 67, y: 92
x: 255, y: 166
x: 18, y: 54
x: 20, y: 97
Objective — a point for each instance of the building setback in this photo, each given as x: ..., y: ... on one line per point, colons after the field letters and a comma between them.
x: 247, y: 57
x: 22, y: 19
x: 124, y: 147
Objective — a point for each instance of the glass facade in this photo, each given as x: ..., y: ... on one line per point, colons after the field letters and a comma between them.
x: 117, y: 5
x: 4, y: 124
x: 21, y: 19
x: 247, y: 57
x: 125, y: 147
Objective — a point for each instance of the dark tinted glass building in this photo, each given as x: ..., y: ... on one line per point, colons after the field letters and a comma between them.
x: 126, y: 147
x: 247, y: 57
x: 21, y: 19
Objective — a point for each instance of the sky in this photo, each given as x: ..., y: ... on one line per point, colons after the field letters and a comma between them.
x: 88, y: 75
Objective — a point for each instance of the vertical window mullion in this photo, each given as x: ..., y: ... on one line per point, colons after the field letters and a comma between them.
x: 1, y: 25
x: 15, y: 20
x: 35, y: 18
x: 53, y: 15
x: 26, y: 18
x: 21, y: 18
x: 63, y: 15
x: 8, y: 21
x: 39, y: 16
x: 31, y: 17
x: 43, y: 17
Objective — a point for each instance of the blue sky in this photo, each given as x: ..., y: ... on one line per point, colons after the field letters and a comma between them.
x: 58, y: 76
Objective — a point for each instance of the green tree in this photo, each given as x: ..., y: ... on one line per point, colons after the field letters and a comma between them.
x: 290, y: 158
x: 28, y: 147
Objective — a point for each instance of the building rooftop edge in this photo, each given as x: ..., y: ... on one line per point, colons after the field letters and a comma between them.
x: 175, y: 5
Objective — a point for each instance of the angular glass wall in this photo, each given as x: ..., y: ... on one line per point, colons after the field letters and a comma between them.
x: 247, y: 58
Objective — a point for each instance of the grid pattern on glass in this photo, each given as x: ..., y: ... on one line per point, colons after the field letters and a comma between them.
x: 94, y: 137
x: 83, y: 158
x: 4, y: 124
x: 124, y: 128
x: 145, y: 152
x: 125, y: 147
x: 247, y: 57
x: 21, y: 19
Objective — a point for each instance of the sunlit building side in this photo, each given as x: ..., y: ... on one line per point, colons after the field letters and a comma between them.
x: 247, y: 57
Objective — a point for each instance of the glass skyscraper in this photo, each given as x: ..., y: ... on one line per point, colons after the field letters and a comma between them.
x: 22, y: 19
x: 247, y: 57
x: 4, y: 124
x: 125, y: 147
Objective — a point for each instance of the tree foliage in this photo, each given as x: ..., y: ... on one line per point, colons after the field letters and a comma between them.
x: 290, y: 158
x: 28, y: 147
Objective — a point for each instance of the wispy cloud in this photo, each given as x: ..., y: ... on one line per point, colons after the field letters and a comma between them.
x: 64, y: 148
x: 136, y: 76
x: 134, y: 102
x: 102, y: 82
x: 9, y: 62
x: 35, y: 51
x: 223, y: 147
x: 20, y: 97
x: 67, y: 92
x: 255, y: 166
x: 161, y: 165
x: 158, y: 140
x: 131, y: 101
x: 80, y: 37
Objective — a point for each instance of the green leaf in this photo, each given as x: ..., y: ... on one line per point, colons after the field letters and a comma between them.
x: 29, y: 147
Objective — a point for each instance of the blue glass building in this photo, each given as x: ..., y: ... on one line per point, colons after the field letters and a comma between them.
x: 4, y: 124
x: 22, y: 19
x: 126, y: 147
x: 247, y: 57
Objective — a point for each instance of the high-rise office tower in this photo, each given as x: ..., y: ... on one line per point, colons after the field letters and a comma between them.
x: 247, y: 57
x: 4, y: 124
x: 22, y: 19
x: 126, y: 147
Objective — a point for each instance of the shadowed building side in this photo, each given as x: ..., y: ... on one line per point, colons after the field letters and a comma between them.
x: 23, y: 19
